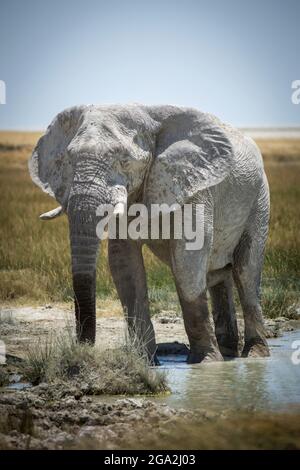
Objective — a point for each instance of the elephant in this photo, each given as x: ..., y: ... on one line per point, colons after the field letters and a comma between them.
x: 123, y: 154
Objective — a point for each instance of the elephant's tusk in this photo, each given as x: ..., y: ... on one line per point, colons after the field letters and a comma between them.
x: 52, y: 214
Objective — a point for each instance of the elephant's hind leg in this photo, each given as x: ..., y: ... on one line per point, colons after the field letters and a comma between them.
x: 223, y: 311
x: 247, y: 282
x: 247, y: 268
x: 128, y: 272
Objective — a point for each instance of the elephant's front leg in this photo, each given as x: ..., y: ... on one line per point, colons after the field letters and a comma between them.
x: 128, y: 272
x: 189, y: 269
x: 199, y: 329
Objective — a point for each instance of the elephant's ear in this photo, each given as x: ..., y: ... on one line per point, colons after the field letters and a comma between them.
x: 192, y: 154
x: 51, y: 166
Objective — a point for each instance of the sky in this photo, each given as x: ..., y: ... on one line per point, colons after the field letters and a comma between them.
x: 236, y: 58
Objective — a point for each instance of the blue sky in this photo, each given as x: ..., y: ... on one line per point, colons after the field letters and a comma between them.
x: 234, y: 58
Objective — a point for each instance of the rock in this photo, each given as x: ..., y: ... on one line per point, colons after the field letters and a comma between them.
x: 165, y: 349
x: 273, y: 331
x: 43, y: 386
x: 273, y: 328
x: 85, y: 388
x: 84, y: 417
x: 63, y: 438
x: 87, y: 432
x: 168, y: 319
x: 129, y: 403
x: 69, y: 402
x: 14, y: 378
x: 287, y: 327
x: 85, y: 399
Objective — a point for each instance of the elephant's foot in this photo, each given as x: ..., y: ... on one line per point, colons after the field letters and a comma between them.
x: 256, y: 347
x: 203, y: 357
x: 229, y: 351
x: 229, y: 347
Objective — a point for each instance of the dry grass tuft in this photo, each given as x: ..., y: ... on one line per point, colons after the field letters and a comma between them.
x: 119, y: 371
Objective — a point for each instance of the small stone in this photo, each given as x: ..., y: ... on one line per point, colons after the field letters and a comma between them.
x: 42, y: 387
x: 14, y: 378
x: 70, y: 402
x: 280, y: 319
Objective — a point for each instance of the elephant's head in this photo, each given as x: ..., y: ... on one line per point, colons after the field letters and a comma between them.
x: 92, y: 155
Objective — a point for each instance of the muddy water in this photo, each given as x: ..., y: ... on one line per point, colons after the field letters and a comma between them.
x: 264, y: 384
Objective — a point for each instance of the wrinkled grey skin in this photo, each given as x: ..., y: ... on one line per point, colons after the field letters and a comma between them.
x: 93, y: 155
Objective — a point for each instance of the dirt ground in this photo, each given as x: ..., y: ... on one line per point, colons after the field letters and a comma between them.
x: 26, y: 324
x: 22, y: 325
x: 35, y: 420
x: 53, y: 416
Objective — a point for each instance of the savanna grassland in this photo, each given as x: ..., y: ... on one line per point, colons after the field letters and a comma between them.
x: 35, y: 258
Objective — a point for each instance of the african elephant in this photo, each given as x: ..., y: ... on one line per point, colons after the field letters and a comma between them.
x: 92, y: 155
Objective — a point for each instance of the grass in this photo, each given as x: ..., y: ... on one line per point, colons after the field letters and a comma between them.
x: 35, y: 257
x: 61, y: 360
x: 6, y: 317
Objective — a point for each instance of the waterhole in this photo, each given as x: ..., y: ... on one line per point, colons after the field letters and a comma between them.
x: 265, y: 384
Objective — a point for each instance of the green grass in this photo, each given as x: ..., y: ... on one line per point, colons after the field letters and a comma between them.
x: 35, y: 256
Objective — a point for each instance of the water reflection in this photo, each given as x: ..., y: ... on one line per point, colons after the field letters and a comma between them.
x: 264, y: 384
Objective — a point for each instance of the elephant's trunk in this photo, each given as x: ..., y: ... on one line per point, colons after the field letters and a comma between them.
x: 84, y: 242
x: 84, y: 247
